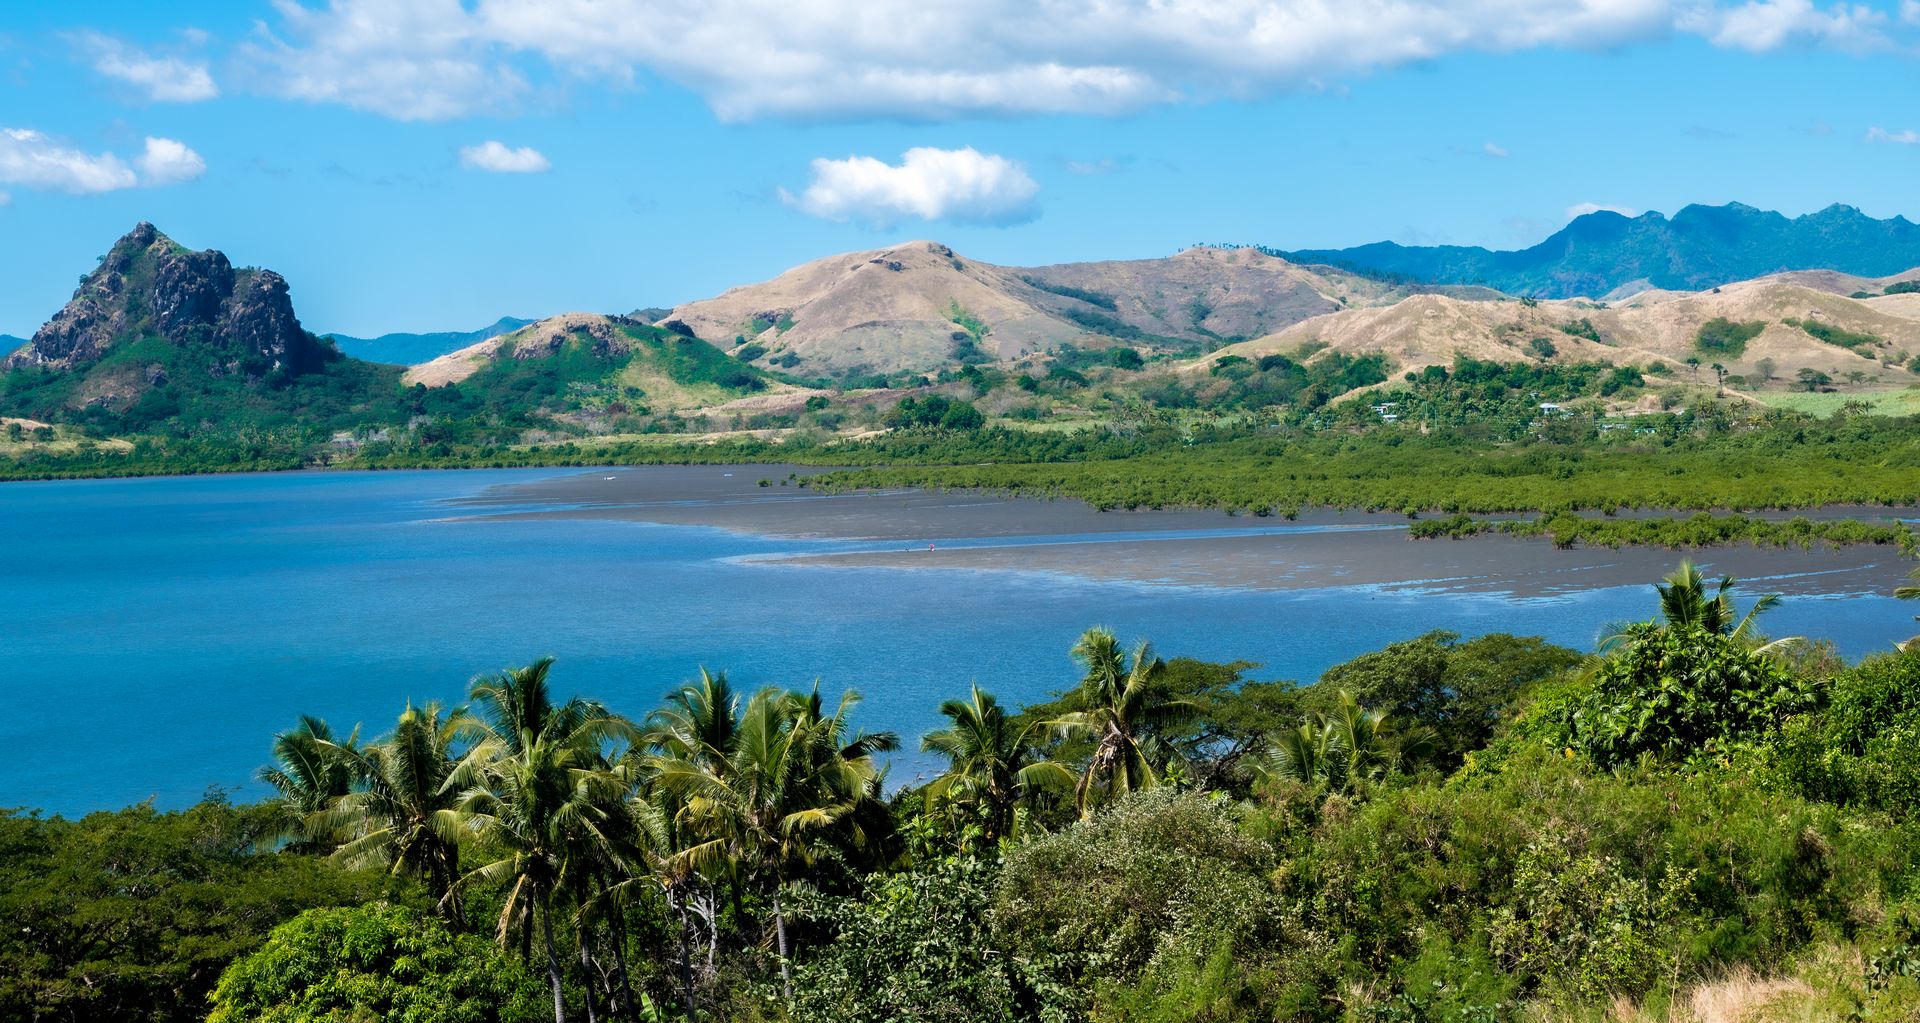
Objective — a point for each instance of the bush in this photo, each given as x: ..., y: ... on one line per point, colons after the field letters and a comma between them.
x: 1673, y: 693
x: 1721, y: 336
x: 1864, y: 749
x: 376, y: 962
x: 1161, y: 876
x: 914, y: 947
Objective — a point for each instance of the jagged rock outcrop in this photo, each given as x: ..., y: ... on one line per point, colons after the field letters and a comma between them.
x: 151, y: 286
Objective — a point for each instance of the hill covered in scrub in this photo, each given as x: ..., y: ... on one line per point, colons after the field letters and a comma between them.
x: 1700, y: 247
x: 919, y: 306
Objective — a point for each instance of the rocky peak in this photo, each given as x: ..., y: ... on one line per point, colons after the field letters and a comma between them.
x: 148, y: 286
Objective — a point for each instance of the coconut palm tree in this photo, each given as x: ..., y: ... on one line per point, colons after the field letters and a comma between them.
x: 1338, y: 748
x: 1121, y: 706
x: 537, y: 791
x: 766, y: 801
x: 311, y: 770
x: 1686, y: 604
x: 990, y: 763
x: 401, y: 812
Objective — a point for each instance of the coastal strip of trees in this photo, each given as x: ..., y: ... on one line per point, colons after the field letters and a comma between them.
x: 1492, y: 828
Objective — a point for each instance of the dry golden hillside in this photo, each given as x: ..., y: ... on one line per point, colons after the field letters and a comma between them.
x: 918, y: 305
x: 1432, y: 329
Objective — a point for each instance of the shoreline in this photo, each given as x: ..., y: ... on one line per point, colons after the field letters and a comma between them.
x: 971, y: 531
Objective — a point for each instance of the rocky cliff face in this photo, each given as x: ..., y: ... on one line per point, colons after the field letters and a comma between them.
x: 151, y: 286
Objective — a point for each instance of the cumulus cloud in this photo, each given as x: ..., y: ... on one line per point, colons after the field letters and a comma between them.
x: 962, y: 186
x: 1494, y: 151
x: 160, y: 79
x: 167, y: 162
x: 1909, y: 137
x: 498, y: 158
x: 1581, y: 209
x: 31, y: 159
x: 1762, y: 25
x: 436, y: 59
x: 1910, y: 11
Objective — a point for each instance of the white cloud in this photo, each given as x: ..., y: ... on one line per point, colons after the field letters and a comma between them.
x: 420, y: 60
x: 1581, y: 209
x: 957, y: 185
x: 1762, y: 25
x: 161, y: 79
x: 1910, y: 11
x: 1494, y: 151
x: 5, y: 199
x: 1909, y: 137
x: 438, y: 59
x: 167, y: 162
x: 31, y: 159
x: 496, y: 157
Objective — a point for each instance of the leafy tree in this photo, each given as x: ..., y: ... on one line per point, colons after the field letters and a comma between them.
x: 378, y: 961
x: 129, y: 916
x: 1456, y: 692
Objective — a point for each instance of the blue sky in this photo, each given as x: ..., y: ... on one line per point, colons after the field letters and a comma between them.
x: 434, y: 164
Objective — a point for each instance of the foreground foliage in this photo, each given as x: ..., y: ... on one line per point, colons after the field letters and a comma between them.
x: 1487, y: 829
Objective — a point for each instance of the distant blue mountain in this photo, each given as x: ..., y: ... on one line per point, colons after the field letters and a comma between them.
x: 8, y: 343
x: 410, y: 349
x: 1700, y: 247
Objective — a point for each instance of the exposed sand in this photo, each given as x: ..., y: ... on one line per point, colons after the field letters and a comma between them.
x: 1199, y: 548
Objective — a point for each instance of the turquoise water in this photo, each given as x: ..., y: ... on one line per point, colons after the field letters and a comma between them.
x: 157, y: 632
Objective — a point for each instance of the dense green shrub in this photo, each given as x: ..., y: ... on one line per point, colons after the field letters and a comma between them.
x: 1674, y: 692
x: 914, y: 947
x: 1158, y: 878
x: 1864, y: 748
x: 379, y: 962
x: 1721, y: 336
x: 131, y: 915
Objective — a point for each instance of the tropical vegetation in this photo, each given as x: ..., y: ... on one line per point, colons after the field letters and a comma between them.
x: 1492, y: 828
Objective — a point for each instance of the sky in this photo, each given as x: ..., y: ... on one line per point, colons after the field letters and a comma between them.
x: 420, y: 165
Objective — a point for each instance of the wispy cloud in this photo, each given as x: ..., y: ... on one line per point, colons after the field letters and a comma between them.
x: 1497, y: 152
x: 498, y: 158
x: 160, y: 79
x: 1762, y: 25
x: 957, y: 185
x: 1581, y: 209
x: 1905, y: 137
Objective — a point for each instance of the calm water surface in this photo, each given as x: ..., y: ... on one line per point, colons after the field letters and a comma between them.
x: 157, y: 632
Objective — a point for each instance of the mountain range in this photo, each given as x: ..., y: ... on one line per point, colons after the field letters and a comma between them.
x: 161, y: 339
x: 407, y: 349
x: 8, y: 343
x: 1605, y: 254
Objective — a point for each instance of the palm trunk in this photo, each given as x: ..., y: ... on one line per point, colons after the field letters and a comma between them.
x: 780, y: 933
x: 586, y: 974
x: 553, y: 959
x: 679, y: 901
x: 620, y: 967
